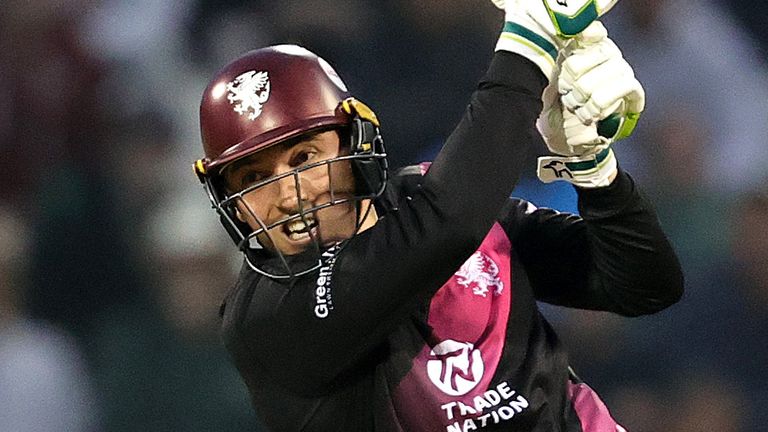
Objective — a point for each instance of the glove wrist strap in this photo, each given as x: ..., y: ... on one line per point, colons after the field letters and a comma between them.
x: 591, y: 171
x: 532, y: 45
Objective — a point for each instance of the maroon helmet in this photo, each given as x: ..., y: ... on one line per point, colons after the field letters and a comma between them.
x: 271, y: 95
x: 267, y: 96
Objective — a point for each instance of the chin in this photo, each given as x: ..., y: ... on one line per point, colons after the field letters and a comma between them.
x: 294, y: 247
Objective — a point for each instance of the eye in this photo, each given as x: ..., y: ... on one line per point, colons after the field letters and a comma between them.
x: 303, y: 157
x: 250, y: 178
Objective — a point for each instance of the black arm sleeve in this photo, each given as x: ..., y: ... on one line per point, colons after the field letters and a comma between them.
x: 615, y: 257
x: 381, y: 273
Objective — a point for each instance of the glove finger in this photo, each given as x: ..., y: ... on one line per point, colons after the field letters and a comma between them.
x: 635, y: 100
x: 582, y: 60
x: 591, y: 112
x: 584, y: 136
x: 599, y: 78
x: 604, y: 101
x: 580, y: 138
x: 574, y: 67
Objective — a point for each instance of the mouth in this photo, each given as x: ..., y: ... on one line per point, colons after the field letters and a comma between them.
x: 301, y: 229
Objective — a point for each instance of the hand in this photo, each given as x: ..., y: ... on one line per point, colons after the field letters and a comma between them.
x: 595, y: 80
x: 595, y: 101
x: 538, y: 30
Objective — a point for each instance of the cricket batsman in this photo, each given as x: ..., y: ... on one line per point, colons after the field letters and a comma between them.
x: 374, y: 299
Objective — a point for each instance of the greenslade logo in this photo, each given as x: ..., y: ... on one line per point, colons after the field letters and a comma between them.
x: 323, y: 298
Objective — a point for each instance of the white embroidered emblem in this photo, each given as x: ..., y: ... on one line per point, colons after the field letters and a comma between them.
x: 481, y: 273
x: 249, y: 92
x: 455, y: 367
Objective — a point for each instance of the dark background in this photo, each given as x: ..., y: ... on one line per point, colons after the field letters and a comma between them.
x: 112, y: 265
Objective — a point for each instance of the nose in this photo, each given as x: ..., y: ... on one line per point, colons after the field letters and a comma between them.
x: 292, y: 191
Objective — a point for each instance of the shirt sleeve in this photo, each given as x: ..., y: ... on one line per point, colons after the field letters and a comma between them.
x: 613, y: 257
x: 382, y: 274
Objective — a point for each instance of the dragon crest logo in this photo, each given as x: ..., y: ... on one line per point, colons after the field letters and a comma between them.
x: 249, y: 92
x: 455, y: 367
x: 480, y: 273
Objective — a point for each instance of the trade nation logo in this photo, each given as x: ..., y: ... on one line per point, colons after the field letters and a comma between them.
x: 455, y: 367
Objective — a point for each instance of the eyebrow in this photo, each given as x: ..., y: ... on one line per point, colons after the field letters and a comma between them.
x: 235, y: 166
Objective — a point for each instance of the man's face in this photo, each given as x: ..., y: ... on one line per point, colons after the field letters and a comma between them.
x: 288, y: 196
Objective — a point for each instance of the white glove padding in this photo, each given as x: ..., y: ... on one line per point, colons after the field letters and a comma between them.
x: 587, y: 161
x: 585, y: 142
x: 595, y: 81
x: 562, y: 131
x: 538, y: 30
x: 590, y: 54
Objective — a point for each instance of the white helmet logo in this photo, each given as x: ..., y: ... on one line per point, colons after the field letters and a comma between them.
x: 481, y: 273
x: 455, y: 367
x: 332, y: 75
x: 249, y: 92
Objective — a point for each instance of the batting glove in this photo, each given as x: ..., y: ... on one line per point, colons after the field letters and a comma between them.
x: 539, y: 29
x: 595, y: 101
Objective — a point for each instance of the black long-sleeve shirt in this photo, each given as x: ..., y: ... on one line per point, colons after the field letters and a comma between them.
x: 428, y: 320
